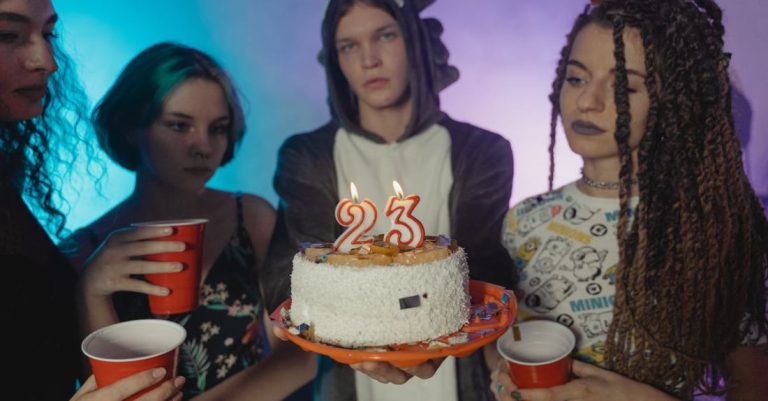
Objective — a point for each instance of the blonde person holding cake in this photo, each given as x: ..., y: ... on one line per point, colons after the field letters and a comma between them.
x: 657, y: 257
x: 173, y: 116
x: 385, y: 67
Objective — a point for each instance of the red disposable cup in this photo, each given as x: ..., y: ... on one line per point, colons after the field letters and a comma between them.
x: 124, y: 349
x: 538, y: 353
x: 184, y: 286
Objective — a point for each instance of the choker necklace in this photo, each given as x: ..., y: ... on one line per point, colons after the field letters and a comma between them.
x: 606, y: 185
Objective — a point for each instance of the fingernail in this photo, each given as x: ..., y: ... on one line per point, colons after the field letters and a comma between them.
x: 168, y: 230
x: 159, y: 372
x: 182, y: 246
x: 178, y: 267
x: 516, y: 396
x: 165, y: 291
x: 179, y: 381
x: 516, y: 333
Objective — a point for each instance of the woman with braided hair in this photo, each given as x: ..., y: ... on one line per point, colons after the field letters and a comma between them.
x: 657, y: 258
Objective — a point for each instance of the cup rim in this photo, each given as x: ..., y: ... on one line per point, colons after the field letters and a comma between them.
x: 551, y: 326
x: 94, y: 334
x: 169, y: 223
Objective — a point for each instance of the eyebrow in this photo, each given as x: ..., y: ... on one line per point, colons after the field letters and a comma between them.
x: 379, y: 30
x: 14, y: 17
x: 385, y: 27
x: 178, y: 114
x: 188, y: 117
x: 630, y: 71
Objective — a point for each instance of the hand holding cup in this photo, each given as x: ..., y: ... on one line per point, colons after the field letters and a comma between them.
x: 119, y: 258
x: 183, y: 285
x: 124, y: 349
x: 169, y: 390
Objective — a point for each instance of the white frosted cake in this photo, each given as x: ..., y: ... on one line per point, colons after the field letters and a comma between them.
x: 380, y: 295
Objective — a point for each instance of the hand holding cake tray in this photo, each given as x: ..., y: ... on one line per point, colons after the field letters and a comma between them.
x: 400, y: 297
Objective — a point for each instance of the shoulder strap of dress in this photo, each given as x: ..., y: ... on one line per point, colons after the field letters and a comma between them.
x: 239, y: 210
x: 250, y: 281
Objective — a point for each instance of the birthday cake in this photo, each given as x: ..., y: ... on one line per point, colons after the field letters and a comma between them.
x: 379, y: 294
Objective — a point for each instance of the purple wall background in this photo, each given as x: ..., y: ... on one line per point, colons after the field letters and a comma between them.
x: 505, y: 49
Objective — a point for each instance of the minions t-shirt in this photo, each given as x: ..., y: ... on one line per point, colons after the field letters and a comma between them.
x: 564, y: 246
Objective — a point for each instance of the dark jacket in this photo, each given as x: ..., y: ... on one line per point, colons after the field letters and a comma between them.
x: 40, y: 323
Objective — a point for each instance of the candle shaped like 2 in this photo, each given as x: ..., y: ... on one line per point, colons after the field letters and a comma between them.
x: 359, y: 218
x: 406, y: 229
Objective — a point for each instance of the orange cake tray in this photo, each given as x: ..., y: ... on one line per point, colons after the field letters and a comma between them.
x: 493, y: 310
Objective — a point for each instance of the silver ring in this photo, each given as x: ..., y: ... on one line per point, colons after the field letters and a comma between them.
x: 499, y: 388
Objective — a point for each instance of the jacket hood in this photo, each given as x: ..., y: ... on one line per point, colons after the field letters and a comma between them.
x: 429, y: 71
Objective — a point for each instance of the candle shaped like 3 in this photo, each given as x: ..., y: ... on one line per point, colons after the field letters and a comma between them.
x: 406, y: 229
x: 358, y: 217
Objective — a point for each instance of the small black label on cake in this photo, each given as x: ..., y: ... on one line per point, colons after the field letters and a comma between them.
x: 413, y: 301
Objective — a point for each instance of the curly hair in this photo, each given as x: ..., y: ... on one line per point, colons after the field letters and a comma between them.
x: 37, y: 155
x: 694, y: 262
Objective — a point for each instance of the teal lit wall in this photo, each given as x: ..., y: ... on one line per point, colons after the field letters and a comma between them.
x: 274, y: 68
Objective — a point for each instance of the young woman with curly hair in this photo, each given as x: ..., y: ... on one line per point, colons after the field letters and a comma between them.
x: 656, y: 258
x: 41, y: 105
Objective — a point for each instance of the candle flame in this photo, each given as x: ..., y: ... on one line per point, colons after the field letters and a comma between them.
x: 398, y: 189
x: 353, y: 190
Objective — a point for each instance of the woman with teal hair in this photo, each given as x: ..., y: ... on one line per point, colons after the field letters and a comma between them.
x: 174, y: 117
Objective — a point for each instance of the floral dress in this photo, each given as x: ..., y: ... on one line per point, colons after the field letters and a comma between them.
x: 223, y: 333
